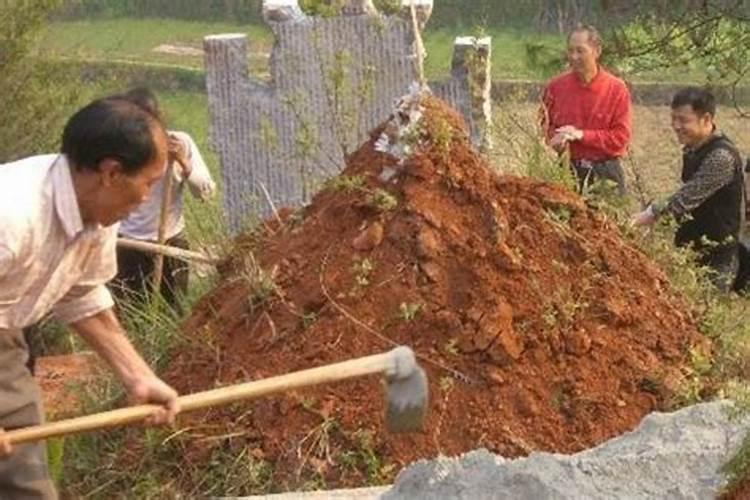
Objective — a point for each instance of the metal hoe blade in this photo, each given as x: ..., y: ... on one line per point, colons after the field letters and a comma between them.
x: 406, y: 393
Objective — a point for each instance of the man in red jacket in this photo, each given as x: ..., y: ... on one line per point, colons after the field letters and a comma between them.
x: 587, y: 110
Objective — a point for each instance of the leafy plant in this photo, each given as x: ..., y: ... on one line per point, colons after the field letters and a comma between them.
x: 713, y: 40
x: 560, y: 215
x: 408, y: 311
x: 382, y: 200
x: 345, y: 183
x: 363, y: 456
x: 737, y: 468
x: 451, y: 347
x: 31, y: 91
x: 308, y: 318
x: 362, y: 270
x: 441, y: 135
x: 322, y: 8
x: 55, y: 453
x: 446, y: 383
x: 260, y: 283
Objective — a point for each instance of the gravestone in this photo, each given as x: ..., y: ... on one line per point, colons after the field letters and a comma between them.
x: 332, y: 79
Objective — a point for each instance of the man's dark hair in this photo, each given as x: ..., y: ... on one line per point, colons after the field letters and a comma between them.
x: 110, y: 128
x: 701, y: 100
x: 143, y: 98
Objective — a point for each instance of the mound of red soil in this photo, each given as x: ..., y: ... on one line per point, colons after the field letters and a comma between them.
x: 539, y: 327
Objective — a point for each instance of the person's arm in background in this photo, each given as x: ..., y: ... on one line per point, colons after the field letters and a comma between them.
x: 195, y: 171
x: 554, y: 139
x: 715, y: 172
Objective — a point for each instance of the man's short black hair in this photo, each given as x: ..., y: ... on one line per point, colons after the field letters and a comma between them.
x: 111, y: 128
x: 700, y: 99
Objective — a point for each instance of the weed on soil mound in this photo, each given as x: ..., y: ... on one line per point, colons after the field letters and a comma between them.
x: 539, y: 327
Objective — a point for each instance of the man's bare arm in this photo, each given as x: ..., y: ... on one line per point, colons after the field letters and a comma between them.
x: 104, y: 334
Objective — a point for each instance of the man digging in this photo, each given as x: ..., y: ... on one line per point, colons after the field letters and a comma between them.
x: 57, y: 251
x: 709, y: 205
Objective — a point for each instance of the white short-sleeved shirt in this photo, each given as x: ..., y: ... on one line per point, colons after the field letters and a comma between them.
x: 49, y: 261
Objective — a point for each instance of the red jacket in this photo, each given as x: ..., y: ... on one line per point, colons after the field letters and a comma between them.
x: 601, y: 109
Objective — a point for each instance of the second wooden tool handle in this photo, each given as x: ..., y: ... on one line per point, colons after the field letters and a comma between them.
x: 329, y: 373
x: 178, y: 253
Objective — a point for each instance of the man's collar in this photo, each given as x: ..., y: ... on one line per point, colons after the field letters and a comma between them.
x: 715, y: 134
x: 66, y: 203
x: 597, y: 81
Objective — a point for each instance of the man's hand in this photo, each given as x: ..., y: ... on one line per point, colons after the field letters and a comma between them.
x: 644, y: 218
x: 558, y: 142
x: 178, y: 154
x: 5, y: 447
x: 104, y: 334
x: 152, y: 390
x: 570, y: 133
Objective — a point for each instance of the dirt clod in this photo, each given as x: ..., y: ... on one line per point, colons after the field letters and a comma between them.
x: 369, y: 238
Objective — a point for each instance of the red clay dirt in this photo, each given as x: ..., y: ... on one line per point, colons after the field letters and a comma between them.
x: 740, y: 492
x: 60, y: 379
x: 539, y: 327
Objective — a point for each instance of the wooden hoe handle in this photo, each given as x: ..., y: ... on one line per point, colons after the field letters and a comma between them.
x: 216, y: 397
x: 177, y: 253
x: 161, y: 238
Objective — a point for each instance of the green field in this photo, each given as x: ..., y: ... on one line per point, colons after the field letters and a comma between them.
x: 508, y: 51
x: 144, y: 40
x: 139, y: 40
x: 179, y: 43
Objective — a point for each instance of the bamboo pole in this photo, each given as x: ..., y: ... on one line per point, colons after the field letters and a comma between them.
x: 166, y: 250
x: 166, y: 201
x: 419, y: 46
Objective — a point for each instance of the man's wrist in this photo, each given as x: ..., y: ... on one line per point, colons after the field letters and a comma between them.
x: 657, y: 208
x: 132, y: 381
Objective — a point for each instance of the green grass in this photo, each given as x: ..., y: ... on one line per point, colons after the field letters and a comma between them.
x: 134, y: 40
x: 508, y: 51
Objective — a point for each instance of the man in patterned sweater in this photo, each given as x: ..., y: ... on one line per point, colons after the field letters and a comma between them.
x: 709, y: 205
